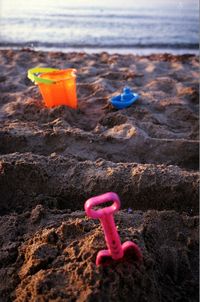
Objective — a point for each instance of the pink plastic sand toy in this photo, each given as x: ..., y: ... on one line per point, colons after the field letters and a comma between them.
x: 115, y: 250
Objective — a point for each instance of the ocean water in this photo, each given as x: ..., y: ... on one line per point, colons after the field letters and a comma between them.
x: 100, y: 25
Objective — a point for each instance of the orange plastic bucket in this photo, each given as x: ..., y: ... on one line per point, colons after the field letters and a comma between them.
x: 63, y: 89
x: 58, y: 87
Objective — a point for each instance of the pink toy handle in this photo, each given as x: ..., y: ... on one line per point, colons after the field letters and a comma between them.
x: 112, y: 237
x: 107, y: 221
x: 97, y: 200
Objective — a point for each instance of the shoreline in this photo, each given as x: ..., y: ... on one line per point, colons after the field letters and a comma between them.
x: 111, y: 51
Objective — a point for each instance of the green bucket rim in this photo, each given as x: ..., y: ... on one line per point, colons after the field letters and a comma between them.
x: 34, y: 72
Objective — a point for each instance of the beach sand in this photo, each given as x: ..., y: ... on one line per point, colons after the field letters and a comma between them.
x: 53, y: 160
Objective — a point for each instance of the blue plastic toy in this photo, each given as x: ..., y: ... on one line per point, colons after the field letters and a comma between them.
x: 126, y: 99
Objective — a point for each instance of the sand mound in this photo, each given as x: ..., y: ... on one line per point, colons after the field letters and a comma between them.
x: 52, y: 257
x: 27, y: 180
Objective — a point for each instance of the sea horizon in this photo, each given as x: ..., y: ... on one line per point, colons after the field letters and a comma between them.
x: 95, y: 28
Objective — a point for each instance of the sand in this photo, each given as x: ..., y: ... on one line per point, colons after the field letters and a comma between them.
x: 53, y: 160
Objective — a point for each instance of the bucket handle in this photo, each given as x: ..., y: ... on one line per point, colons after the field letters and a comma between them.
x: 34, y: 72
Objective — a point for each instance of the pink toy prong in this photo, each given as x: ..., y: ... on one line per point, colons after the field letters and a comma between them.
x: 132, y: 251
x: 97, y: 200
x: 103, y: 258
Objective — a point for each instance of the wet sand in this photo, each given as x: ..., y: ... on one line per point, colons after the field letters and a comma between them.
x: 52, y: 160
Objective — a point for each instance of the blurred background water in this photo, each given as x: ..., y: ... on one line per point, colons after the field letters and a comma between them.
x: 114, y: 26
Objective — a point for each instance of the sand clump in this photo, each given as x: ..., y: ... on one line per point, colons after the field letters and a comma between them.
x: 53, y: 160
